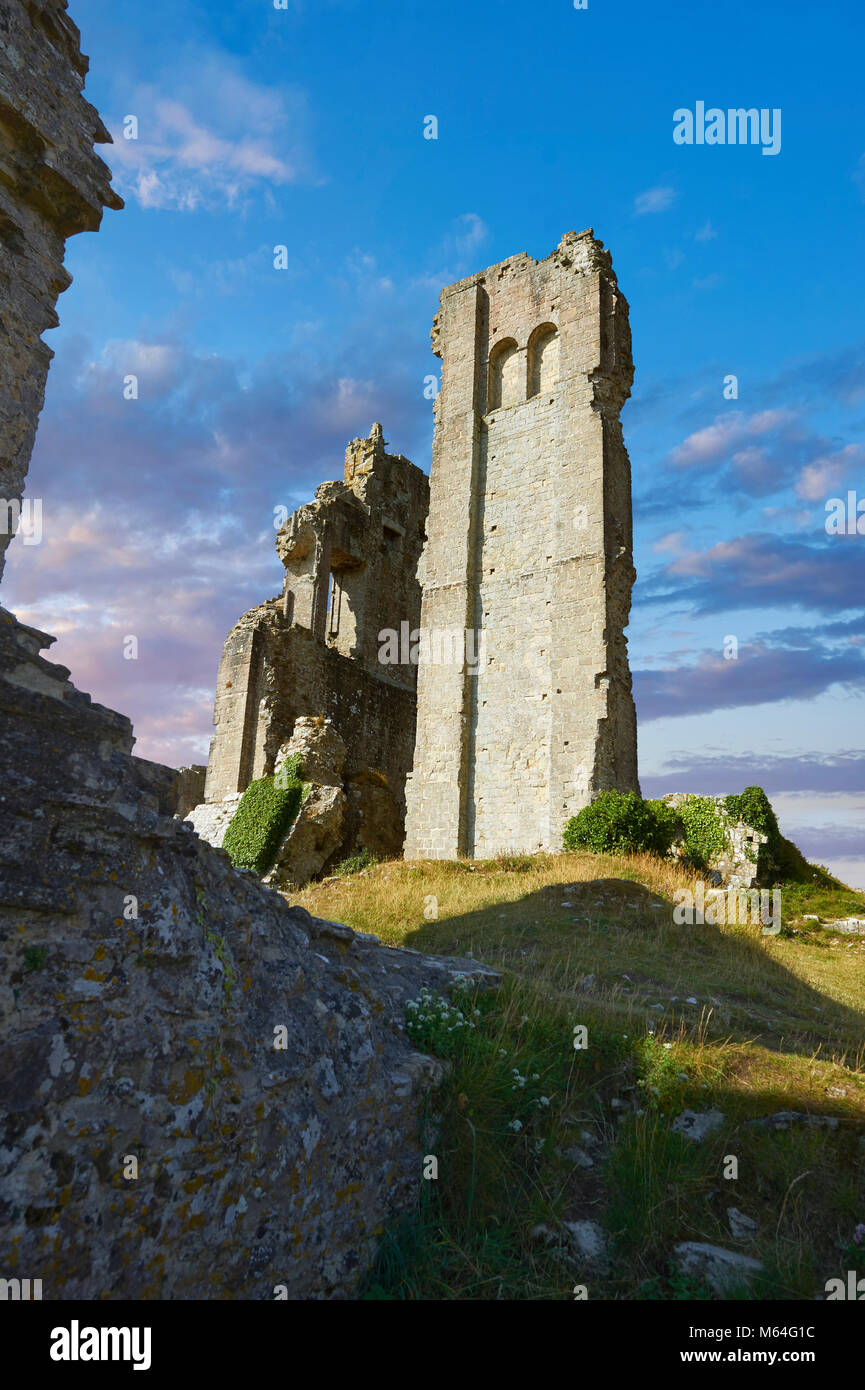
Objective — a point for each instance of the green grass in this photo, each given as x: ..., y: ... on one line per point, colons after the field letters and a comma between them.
x: 778, y: 1025
x: 355, y: 864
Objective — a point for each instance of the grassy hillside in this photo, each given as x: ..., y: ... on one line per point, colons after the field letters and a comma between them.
x: 537, y: 1134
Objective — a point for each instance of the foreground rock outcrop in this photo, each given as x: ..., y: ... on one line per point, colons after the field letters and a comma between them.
x: 203, y: 1092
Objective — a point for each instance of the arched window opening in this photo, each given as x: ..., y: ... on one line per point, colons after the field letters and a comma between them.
x: 504, y: 382
x: 543, y: 359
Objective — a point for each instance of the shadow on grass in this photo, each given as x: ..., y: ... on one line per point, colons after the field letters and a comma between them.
x: 613, y: 943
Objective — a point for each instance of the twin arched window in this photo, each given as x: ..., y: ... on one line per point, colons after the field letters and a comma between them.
x: 543, y: 359
x: 504, y: 374
x: 505, y: 386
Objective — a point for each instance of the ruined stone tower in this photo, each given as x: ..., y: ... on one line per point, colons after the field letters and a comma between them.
x: 351, y: 560
x: 529, y: 547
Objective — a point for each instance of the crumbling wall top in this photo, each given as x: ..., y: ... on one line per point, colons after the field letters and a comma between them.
x: 46, y: 156
x: 581, y: 252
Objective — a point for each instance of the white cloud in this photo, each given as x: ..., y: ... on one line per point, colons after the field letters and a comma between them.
x: 820, y: 478
x: 725, y: 434
x: 157, y: 366
x: 225, y: 140
x: 674, y: 541
x: 364, y: 270
x: 470, y: 232
x: 457, y: 254
x: 654, y: 200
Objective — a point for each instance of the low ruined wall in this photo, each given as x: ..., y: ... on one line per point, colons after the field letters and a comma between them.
x: 190, y: 788
x: 743, y: 859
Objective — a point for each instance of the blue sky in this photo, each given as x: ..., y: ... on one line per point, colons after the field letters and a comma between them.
x: 304, y: 127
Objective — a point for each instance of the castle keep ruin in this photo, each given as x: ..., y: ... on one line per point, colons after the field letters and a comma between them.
x: 529, y: 546
x: 517, y: 725
x: 351, y: 560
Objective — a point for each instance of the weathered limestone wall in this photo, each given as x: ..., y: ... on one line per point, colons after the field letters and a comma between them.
x: 52, y: 185
x: 190, y: 787
x: 295, y: 674
x: 530, y: 544
x: 351, y: 561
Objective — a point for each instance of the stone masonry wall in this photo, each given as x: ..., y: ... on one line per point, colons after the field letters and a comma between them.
x: 294, y: 675
x: 530, y: 544
x: 52, y: 185
x: 745, y: 858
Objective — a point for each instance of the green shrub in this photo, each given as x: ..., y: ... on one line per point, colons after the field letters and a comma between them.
x: 263, y: 816
x: 621, y: 823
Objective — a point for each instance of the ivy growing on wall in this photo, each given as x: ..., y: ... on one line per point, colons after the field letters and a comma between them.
x: 263, y: 817
x: 753, y: 807
x: 622, y: 823
x: 705, y: 830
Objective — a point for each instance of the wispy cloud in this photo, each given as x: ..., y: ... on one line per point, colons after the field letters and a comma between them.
x: 715, y: 442
x: 759, y: 570
x: 801, y: 771
x: 159, y: 512
x: 470, y: 232
x: 763, y: 672
x: 654, y: 200
x: 226, y: 139
x: 819, y: 478
x: 457, y: 253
